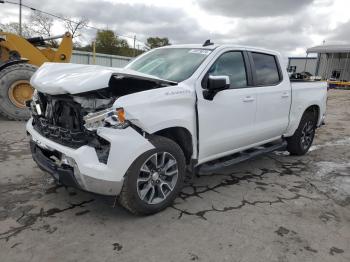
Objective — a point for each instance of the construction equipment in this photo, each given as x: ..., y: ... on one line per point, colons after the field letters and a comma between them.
x: 339, y: 84
x: 19, y: 59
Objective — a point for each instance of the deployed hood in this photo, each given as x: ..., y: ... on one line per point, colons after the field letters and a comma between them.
x: 59, y: 78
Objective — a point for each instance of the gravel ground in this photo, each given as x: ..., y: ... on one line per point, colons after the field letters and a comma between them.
x: 272, y: 208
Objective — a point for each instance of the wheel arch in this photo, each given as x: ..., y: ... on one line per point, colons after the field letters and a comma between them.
x: 180, y: 135
x: 297, y: 115
x: 315, y: 109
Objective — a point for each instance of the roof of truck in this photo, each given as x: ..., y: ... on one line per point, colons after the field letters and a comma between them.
x: 215, y: 46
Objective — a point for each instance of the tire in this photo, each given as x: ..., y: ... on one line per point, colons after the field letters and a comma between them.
x: 139, y: 183
x: 303, y: 137
x: 8, y: 76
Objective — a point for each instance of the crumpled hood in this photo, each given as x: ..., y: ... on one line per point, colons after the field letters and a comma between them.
x: 59, y: 78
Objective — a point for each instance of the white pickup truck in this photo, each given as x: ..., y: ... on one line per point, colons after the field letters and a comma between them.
x: 139, y: 132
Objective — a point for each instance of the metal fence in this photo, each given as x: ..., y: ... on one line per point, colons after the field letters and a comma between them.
x: 81, y: 57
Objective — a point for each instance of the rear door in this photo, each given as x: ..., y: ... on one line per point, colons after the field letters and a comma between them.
x: 273, y: 96
x: 226, y: 122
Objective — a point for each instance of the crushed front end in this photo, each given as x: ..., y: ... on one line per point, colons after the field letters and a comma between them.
x: 68, y: 142
x: 60, y: 118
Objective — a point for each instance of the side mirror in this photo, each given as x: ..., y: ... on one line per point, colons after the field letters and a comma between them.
x: 215, y: 84
x: 218, y: 83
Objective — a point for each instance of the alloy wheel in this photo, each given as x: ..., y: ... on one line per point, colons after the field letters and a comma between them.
x: 157, y: 178
x: 307, y: 134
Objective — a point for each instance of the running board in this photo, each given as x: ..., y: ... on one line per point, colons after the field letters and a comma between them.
x: 226, y: 163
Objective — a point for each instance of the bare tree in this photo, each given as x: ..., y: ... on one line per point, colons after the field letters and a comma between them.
x: 42, y: 25
x: 13, y: 27
x: 75, y: 25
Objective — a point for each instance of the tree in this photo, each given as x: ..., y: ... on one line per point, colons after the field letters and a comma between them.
x: 75, y: 25
x: 106, y: 41
x: 154, y: 42
x: 42, y: 25
x: 13, y: 28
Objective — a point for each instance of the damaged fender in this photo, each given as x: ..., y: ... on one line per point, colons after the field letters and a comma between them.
x: 91, y: 174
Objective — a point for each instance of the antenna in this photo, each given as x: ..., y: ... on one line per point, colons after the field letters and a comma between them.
x: 207, y: 43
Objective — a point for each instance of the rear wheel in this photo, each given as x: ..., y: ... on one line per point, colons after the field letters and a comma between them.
x: 154, y: 179
x: 303, y: 137
x: 15, y: 90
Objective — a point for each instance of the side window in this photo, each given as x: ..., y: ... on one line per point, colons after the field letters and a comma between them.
x: 231, y: 64
x: 266, y: 69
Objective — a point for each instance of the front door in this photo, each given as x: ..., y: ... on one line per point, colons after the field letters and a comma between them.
x: 226, y: 122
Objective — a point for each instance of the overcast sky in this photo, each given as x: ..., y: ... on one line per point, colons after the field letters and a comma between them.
x: 289, y: 26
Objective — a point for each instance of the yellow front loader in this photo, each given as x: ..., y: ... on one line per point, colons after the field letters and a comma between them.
x: 19, y: 59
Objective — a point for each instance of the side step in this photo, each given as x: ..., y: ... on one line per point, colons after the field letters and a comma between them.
x: 226, y: 163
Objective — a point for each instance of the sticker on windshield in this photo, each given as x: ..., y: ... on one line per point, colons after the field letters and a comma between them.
x: 199, y: 51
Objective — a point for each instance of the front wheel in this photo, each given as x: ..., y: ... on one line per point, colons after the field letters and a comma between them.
x: 303, y: 137
x: 154, y: 179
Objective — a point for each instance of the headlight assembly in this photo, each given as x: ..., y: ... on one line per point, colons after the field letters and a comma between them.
x: 34, y: 104
x: 106, y: 118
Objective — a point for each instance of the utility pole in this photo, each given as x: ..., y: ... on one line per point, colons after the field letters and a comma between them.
x: 20, y: 17
x: 306, y: 58
x: 134, y: 45
x: 94, y: 52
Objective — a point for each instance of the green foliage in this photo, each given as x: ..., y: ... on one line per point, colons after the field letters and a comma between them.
x: 107, y: 42
x: 154, y: 42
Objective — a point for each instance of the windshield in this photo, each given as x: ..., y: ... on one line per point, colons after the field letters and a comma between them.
x: 174, y: 64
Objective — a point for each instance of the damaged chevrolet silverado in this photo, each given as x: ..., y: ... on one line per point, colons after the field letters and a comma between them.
x: 140, y: 132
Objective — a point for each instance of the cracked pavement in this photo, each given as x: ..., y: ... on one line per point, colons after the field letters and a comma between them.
x: 271, y: 208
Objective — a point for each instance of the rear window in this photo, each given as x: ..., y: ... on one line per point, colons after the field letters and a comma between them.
x: 266, y: 69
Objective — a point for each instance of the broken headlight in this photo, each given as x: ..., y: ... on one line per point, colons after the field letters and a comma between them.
x: 106, y: 118
x: 34, y: 104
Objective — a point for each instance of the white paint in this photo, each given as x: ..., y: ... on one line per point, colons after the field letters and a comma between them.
x: 110, y: 175
x: 59, y: 78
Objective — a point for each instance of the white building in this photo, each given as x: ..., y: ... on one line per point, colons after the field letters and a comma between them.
x: 331, y: 62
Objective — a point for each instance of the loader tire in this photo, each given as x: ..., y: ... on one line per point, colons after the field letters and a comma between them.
x: 14, y: 89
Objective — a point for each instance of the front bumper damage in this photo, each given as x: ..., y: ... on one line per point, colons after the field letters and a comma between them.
x: 81, y: 168
x: 64, y: 174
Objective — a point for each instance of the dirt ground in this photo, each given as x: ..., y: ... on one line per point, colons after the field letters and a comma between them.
x: 272, y: 208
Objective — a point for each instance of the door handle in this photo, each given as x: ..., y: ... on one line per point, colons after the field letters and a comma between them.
x: 284, y: 95
x: 248, y: 99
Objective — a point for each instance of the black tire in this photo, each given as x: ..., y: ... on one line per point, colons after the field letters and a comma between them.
x: 129, y: 196
x: 8, y: 76
x: 301, y: 141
